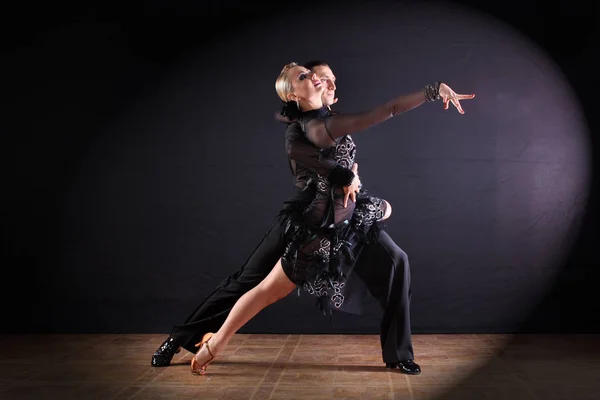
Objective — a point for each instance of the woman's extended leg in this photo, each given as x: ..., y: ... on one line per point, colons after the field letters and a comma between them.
x: 274, y: 287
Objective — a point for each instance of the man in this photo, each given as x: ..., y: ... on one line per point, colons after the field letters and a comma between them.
x: 382, y: 266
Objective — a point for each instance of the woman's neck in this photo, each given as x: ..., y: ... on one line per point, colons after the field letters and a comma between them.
x: 308, y: 105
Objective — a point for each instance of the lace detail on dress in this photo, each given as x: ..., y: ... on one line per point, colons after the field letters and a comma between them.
x: 370, y: 211
x: 343, y: 153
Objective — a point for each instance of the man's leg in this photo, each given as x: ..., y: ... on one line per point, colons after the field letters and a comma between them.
x: 213, y: 311
x: 384, y: 268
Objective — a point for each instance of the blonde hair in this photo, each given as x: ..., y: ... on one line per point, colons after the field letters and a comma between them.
x: 283, y: 84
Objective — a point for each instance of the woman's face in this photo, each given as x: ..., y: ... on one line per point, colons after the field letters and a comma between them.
x: 305, y: 84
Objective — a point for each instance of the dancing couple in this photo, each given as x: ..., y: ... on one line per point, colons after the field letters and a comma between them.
x: 327, y: 236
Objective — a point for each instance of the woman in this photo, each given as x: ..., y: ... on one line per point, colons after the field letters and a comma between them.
x: 321, y: 238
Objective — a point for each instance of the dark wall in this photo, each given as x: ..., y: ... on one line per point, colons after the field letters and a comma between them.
x: 142, y: 163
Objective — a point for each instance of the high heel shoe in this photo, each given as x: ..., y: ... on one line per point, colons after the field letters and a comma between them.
x: 194, y: 363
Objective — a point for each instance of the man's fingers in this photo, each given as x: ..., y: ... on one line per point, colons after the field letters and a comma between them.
x: 355, y: 167
x: 446, y: 103
x: 346, y: 199
x: 465, y: 96
x: 353, y: 196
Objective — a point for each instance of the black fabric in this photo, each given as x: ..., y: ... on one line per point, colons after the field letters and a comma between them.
x: 306, y: 160
x: 320, y: 243
x: 324, y: 129
x: 341, y: 176
x: 383, y: 268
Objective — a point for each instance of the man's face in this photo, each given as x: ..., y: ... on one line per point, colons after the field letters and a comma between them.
x: 326, y: 76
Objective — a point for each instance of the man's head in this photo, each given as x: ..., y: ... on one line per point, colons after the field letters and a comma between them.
x: 323, y: 72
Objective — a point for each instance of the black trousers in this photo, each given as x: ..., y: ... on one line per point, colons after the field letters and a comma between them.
x: 383, y: 268
x: 213, y: 311
x: 381, y: 265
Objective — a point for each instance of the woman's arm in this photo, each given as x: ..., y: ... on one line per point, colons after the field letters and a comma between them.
x: 324, y: 132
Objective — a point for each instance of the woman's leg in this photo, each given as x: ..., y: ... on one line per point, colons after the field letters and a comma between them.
x: 274, y: 287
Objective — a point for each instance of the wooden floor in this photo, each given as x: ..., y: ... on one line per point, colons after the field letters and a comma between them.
x: 94, y: 367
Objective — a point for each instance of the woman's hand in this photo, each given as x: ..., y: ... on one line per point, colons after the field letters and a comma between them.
x: 448, y: 95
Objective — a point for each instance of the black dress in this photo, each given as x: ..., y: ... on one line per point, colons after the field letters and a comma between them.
x: 321, y: 239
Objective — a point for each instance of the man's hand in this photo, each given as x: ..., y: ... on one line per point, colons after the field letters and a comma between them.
x: 354, y: 187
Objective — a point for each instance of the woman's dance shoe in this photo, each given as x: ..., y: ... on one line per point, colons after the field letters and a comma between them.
x: 194, y: 365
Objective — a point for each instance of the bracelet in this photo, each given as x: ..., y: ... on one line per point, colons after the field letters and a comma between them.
x: 432, y: 91
x: 341, y: 176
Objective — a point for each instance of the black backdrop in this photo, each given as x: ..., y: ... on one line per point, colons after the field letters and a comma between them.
x: 142, y: 164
